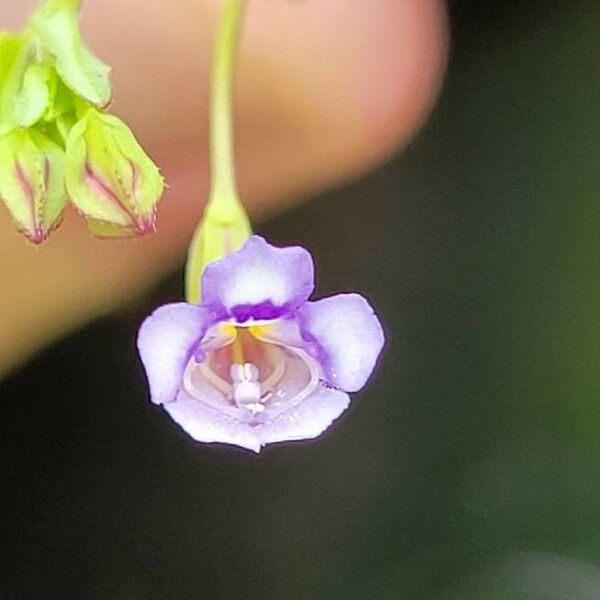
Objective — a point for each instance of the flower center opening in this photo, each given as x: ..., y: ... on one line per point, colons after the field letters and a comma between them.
x: 249, y: 378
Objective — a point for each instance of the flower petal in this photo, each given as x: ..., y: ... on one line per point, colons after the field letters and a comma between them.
x: 166, y: 341
x: 283, y: 332
x: 307, y: 420
x: 259, y: 281
x: 347, y: 338
x: 207, y: 424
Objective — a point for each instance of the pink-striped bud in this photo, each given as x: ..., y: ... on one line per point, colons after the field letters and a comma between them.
x: 32, y: 183
x: 109, y: 178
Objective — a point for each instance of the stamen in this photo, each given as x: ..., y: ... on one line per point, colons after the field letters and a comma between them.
x: 246, y: 386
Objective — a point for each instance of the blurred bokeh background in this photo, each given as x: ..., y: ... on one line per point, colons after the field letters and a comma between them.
x: 468, y: 469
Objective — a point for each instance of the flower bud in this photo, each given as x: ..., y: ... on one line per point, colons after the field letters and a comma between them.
x: 57, y: 27
x: 31, y: 182
x: 109, y: 177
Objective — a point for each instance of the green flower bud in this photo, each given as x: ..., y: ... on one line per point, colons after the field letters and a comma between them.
x: 57, y: 27
x: 24, y: 82
x: 109, y: 177
x: 31, y: 182
x: 223, y: 229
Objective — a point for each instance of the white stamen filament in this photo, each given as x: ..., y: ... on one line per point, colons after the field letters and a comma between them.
x: 246, y: 386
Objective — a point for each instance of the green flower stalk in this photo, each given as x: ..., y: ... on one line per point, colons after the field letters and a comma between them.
x: 225, y: 225
x: 53, y: 97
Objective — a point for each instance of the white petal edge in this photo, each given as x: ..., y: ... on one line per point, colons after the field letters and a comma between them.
x: 306, y: 421
x: 206, y: 424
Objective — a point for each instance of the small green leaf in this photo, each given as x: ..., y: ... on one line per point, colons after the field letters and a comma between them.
x: 57, y: 25
x: 24, y: 82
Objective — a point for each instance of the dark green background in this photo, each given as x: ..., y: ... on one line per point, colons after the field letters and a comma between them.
x: 469, y: 468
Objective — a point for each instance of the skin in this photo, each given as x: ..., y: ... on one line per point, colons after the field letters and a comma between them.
x: 324, y: 91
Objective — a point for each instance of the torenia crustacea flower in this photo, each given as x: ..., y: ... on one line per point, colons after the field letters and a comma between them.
x: 249, y: 360
x: 256, y: 362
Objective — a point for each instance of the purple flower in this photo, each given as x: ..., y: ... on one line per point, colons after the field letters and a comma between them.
x: 256, y: 362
